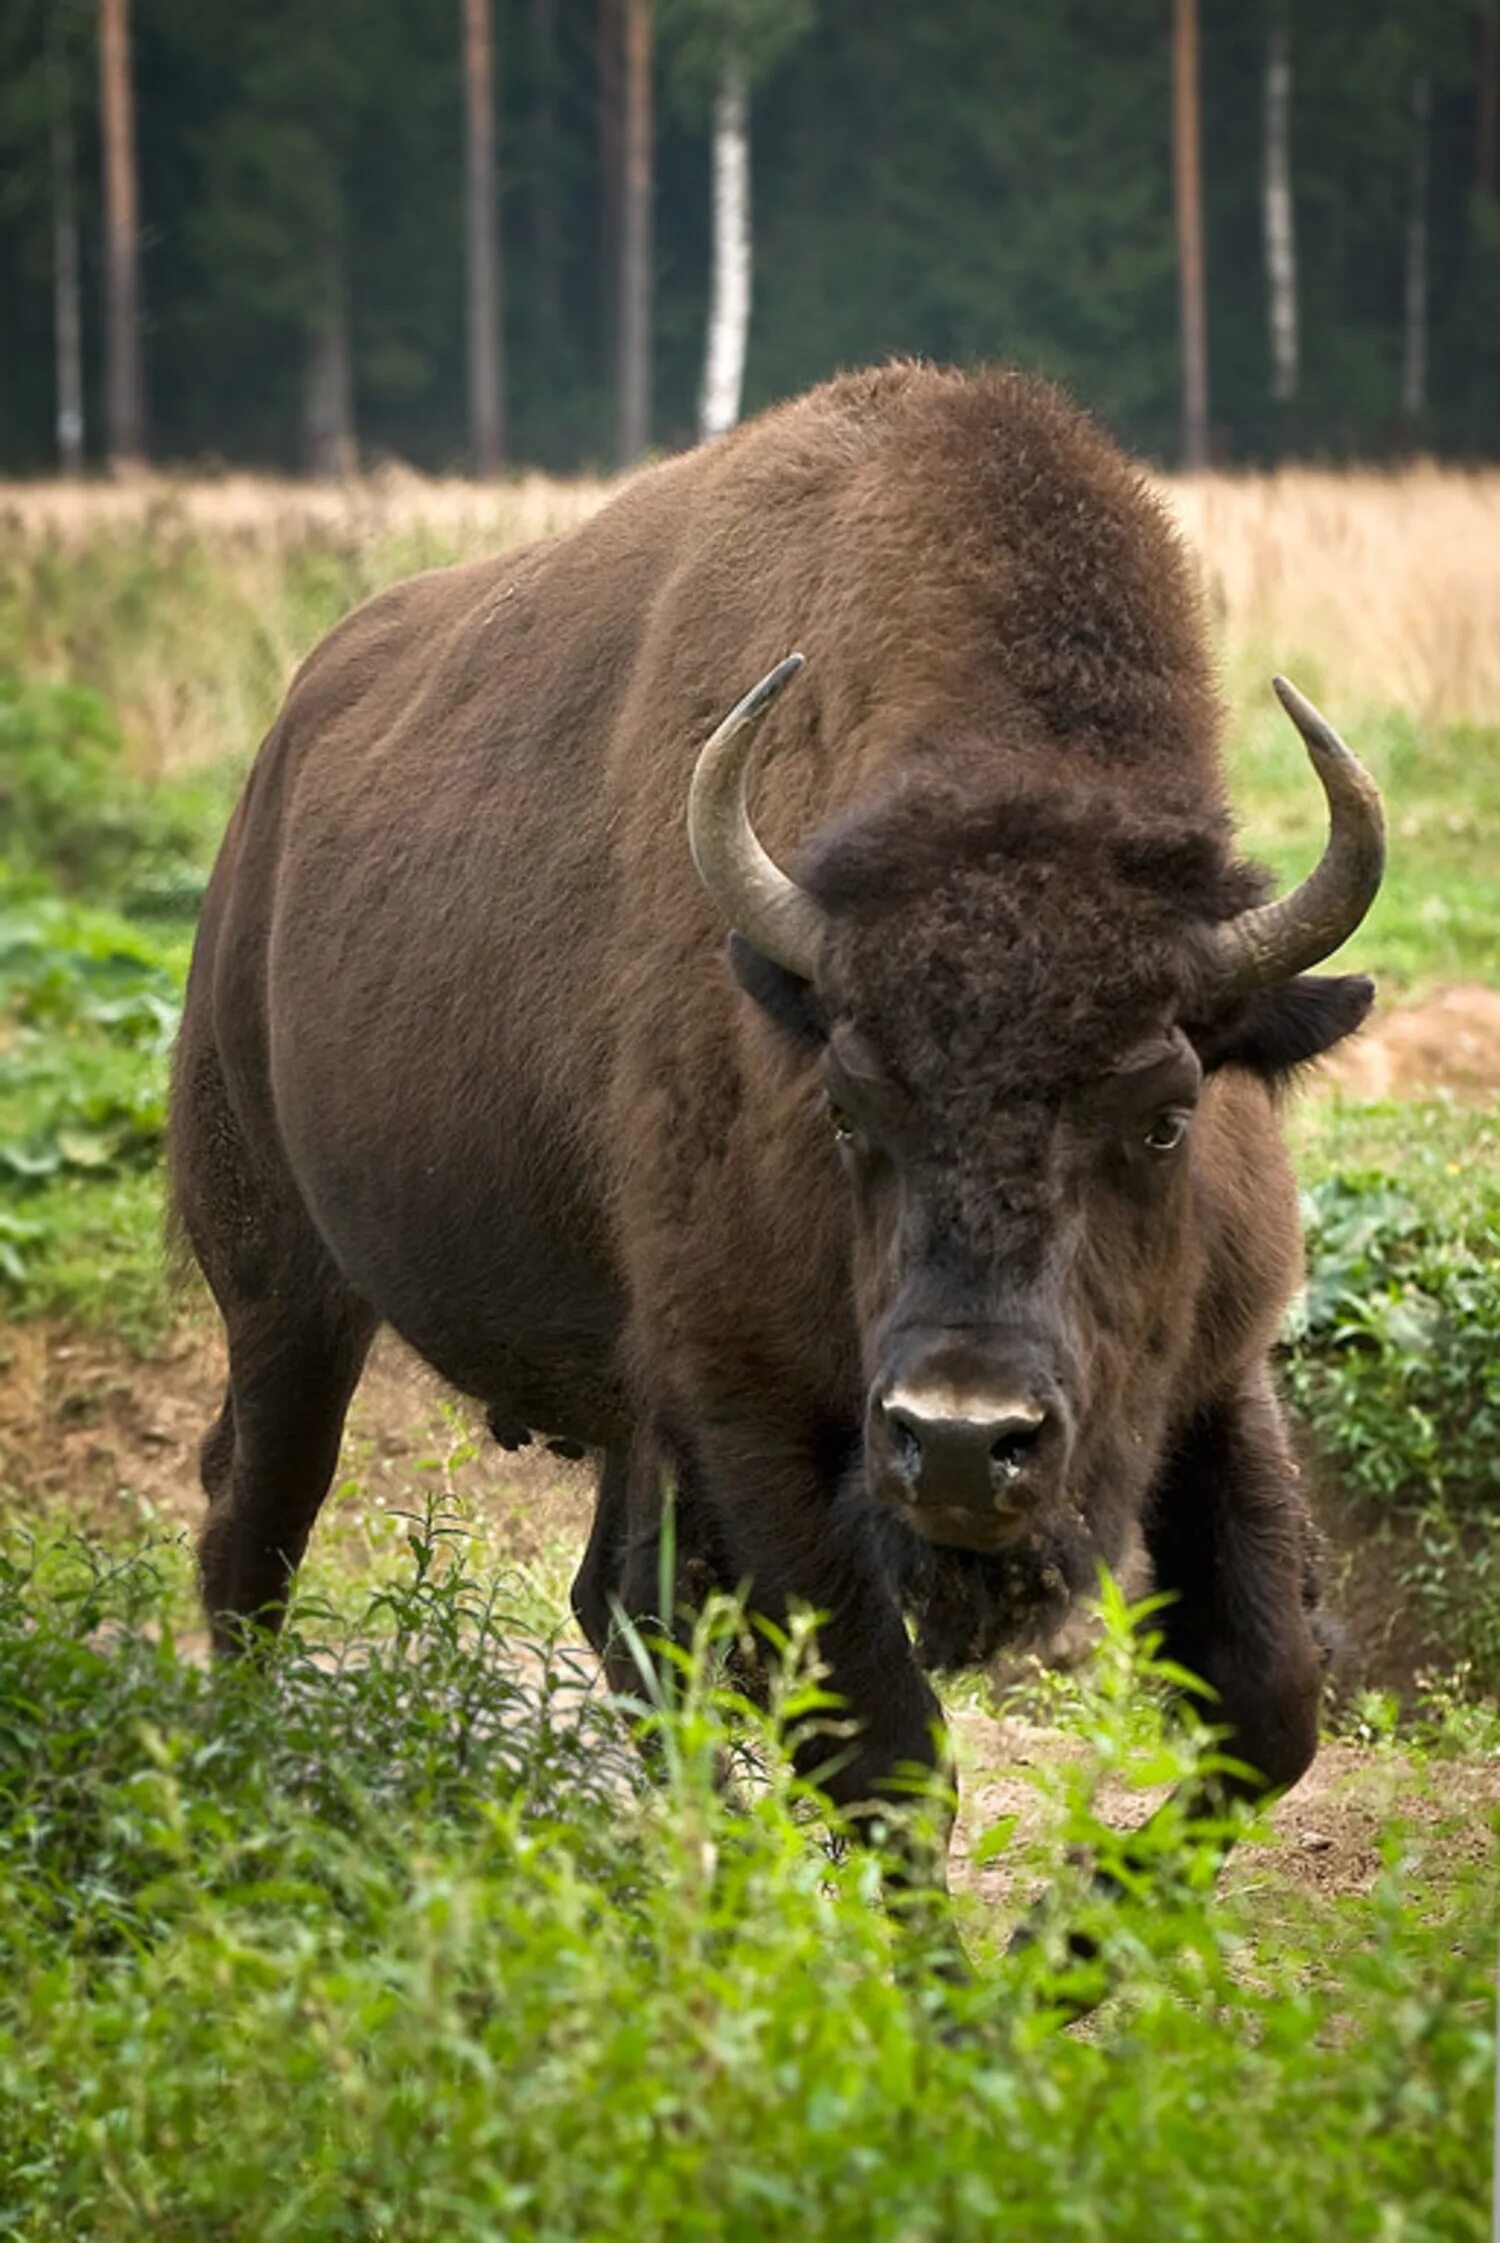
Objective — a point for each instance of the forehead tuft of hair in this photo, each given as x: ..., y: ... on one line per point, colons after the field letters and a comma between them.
x: 1007, y: 946
x: 932, y: 831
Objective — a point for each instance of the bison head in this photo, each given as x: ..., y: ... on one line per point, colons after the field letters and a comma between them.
x: 1019, y: 990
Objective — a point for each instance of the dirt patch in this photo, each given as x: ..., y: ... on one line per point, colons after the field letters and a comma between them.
x: 1325, y: 1837
x: 84, y: 1423
x: 1368, y: 1559
x: 1448, y: 1042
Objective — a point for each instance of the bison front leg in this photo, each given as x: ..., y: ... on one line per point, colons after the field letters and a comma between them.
x: 1231, y: 1542
x: 772, y: 1529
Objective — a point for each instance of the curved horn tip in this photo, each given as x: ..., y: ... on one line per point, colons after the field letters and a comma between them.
x: 1327, y: 749
x: 1310, y: 721
x: 770, y: 685
x: 1308, y: 718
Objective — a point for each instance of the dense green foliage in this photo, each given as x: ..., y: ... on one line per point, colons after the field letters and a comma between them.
x: 1392, y: 1359
x: 390, y: 1940
x: 1395, y: 1351
x: 962, y: 180
x: 69, y: 812
x: 92, y: 1005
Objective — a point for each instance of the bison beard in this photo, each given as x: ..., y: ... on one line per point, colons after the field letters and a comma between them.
x: 962, y: 1157
x: 967, y: 1605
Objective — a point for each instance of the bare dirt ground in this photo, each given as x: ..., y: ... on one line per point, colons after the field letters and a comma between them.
x: 1324, y: 1837
x: 1446, y: 1042
x: 112, y: 1438
x: 86, y: 1424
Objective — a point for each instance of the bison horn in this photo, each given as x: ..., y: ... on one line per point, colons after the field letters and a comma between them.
x: 769, y: 910
x: 1285, y: 937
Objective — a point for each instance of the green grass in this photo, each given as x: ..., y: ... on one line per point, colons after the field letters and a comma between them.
x: 1448, y: 1153
x: 1392, y: 1354
x: 1391, y: 1360
x: 392, y: 1940
x: 99, y: 887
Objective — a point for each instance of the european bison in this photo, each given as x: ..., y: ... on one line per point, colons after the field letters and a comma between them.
x: 937, y: 1228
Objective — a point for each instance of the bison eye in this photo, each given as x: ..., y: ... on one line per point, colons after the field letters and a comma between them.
x: 839, y: 1122
x: 1167, y: 1131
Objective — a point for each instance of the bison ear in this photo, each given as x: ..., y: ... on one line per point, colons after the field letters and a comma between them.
x: 783, y: 996
x: 1286, y: 1027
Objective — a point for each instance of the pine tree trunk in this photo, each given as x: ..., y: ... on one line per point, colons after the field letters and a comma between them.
x: 1414, y: 352
x: 546, y: 297
x: 67, y: 306
x: 1280, y: 216
x: 635, y: 239
x: 1187, y: 168
x: 609, y: 101
x: 1487, y: 105
x: 330, y: 450
x: 125, y: 434
x: 486, y: 397
x: 729, y: 306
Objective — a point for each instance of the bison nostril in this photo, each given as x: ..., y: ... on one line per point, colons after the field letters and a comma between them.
x: 906, y: 1446
x: 1013, y: 1447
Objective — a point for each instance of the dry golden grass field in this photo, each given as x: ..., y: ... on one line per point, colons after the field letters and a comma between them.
x: 1380, y: 588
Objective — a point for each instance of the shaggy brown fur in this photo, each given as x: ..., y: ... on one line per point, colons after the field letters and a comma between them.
x: 462, y: 1050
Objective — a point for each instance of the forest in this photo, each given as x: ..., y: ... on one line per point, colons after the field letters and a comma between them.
x: 321, y: 235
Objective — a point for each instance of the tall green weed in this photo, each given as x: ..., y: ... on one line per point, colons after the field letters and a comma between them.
x: 392, y: 1939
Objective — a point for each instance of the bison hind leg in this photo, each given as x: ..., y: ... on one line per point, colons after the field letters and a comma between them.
x: 269, y: 1457
x: 599, y: 1582
x: 216, y: 1452
x: 297, y: 1339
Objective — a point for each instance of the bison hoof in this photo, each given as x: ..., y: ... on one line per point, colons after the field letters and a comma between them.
x: 573, y: 1451
x: 508, y: 1431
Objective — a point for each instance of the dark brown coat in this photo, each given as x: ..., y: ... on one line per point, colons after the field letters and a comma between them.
x: 463, y: 1050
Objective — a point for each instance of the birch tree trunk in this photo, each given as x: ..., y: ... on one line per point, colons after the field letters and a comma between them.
x: 122, y: 331
x: 635, y: 239
x: 486, y: 375
x: 1414, y: 353
x: 328, y: 406
x: 67, y: 307
x: 729, y: 305
x: 1188, y: 177
x: 1280, y: 217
